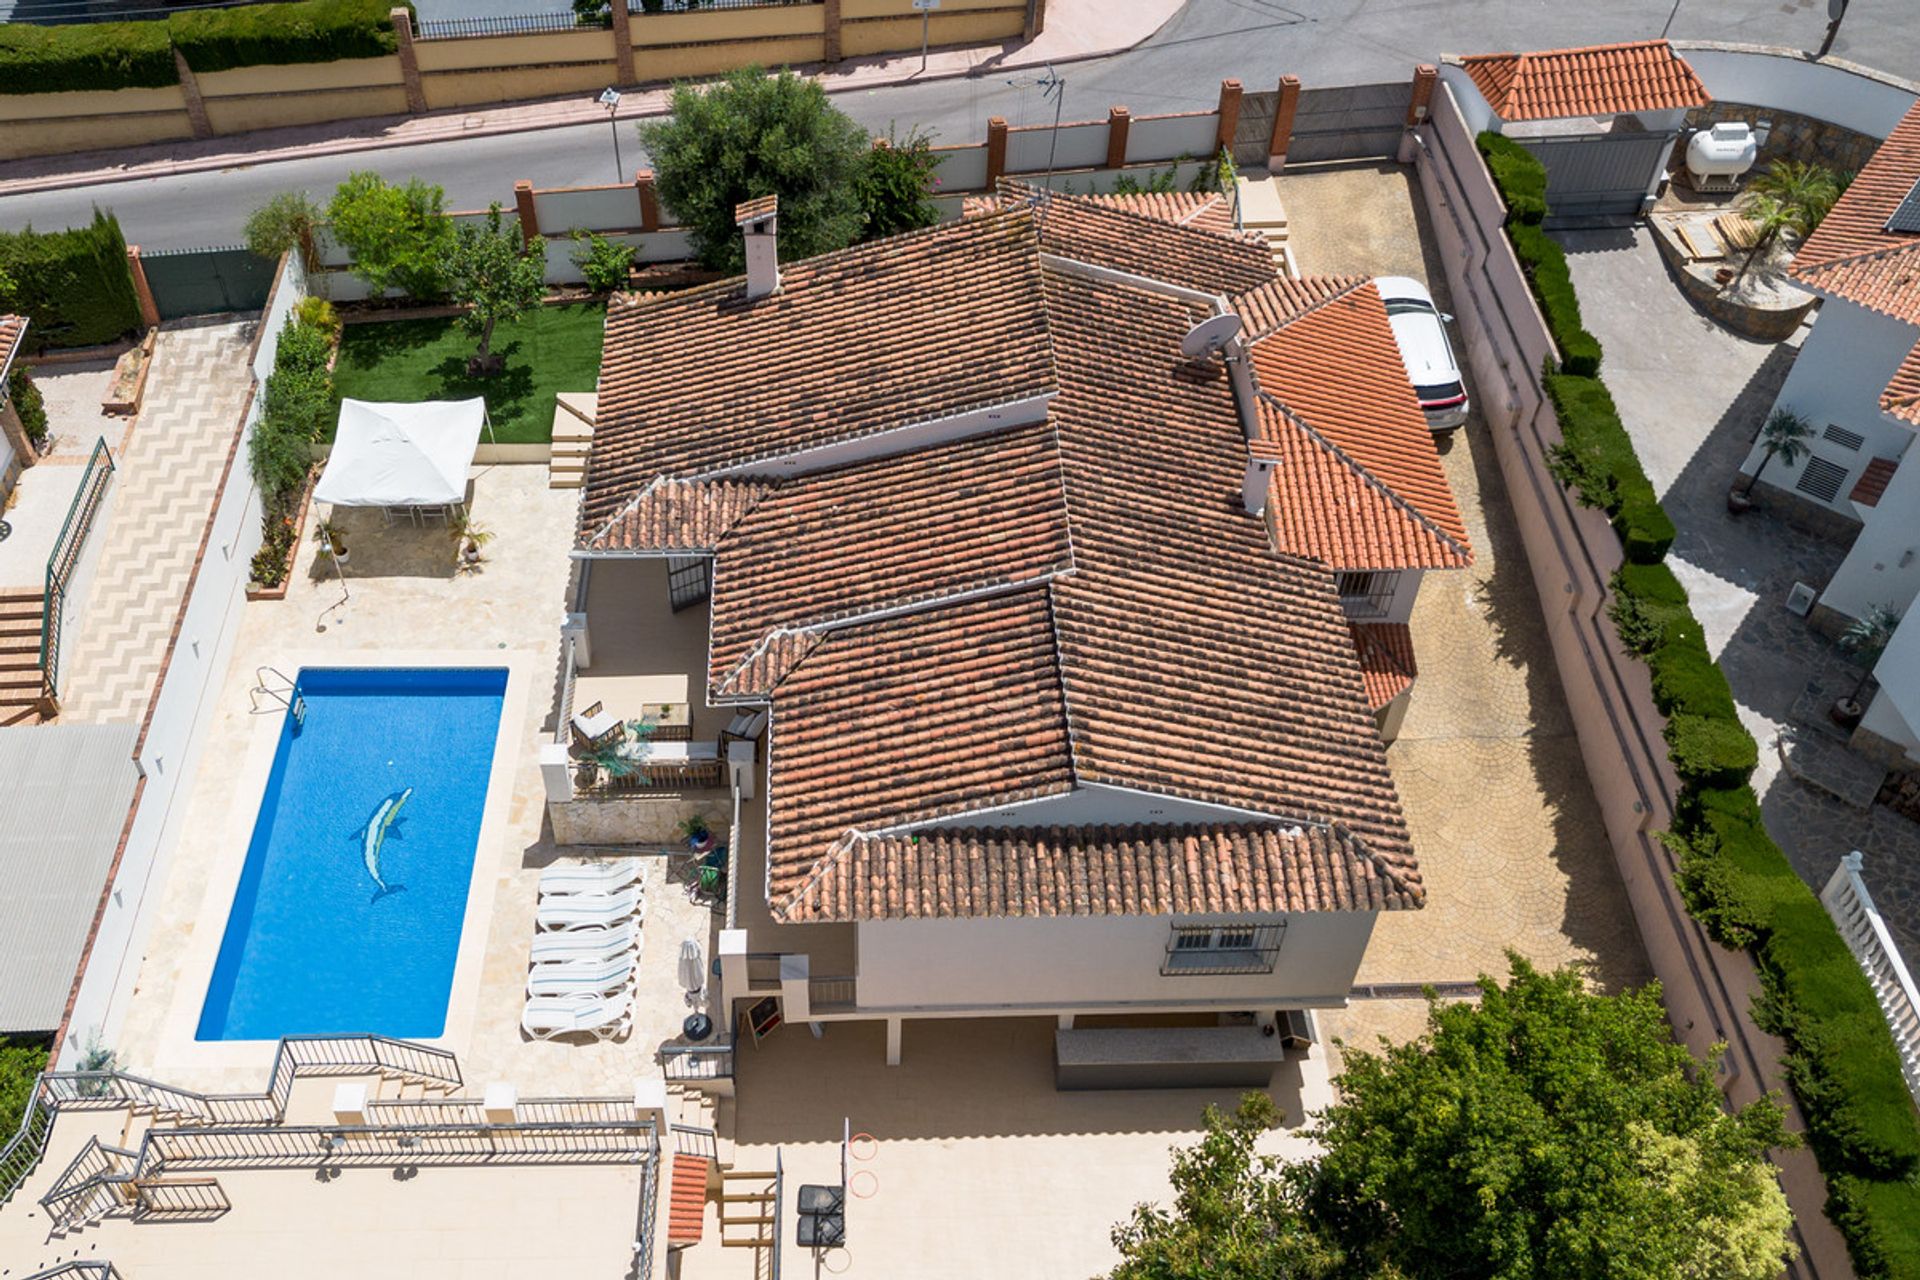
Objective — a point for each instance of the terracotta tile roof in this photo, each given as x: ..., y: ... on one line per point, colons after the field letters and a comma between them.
x: 1599, y: 80
x: 679, y: 515
x: 758, y: 207
x: 1851, y: 254
x: 855, y: 343
x: 1361, y: 485
x: 1283, y: 299
x: 942, y: 712
x: 687, y: 1205
x: 937, y: 872
x: 964, y: 517
x: 1872, y: 484
x: 1386, y: 659
x: 12, y: 330
x: 1901, y: 396
x: 1208, y: 211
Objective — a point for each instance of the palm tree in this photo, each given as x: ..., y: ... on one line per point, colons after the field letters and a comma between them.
x: 1785, y: 434
x: 1866, y: 640
x: 1799, y: 185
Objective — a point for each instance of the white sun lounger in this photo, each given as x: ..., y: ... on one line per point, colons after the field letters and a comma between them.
x: 590, y: 877
x: 603, y: 1017
x: 585, y: 944
x: 575, y: 976
x: 581, y: 911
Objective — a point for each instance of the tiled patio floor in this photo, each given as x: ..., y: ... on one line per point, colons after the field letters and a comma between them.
x: 169, y: 474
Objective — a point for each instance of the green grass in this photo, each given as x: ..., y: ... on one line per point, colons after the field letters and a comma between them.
x: 550, y: 349
x: 20, y: 1062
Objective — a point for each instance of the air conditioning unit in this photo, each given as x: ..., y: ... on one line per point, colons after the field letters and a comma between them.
x: 1800, y: 599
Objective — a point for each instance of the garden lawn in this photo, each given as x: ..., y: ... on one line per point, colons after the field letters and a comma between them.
x: 548, y: 350
x: 20, y: 1062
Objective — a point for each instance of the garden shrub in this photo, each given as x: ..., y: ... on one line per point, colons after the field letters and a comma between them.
x: 1687, y: 681
x: 318, y: 313
x: 1597, y: 458
x: 275, y: 34
x: 28, y: 403
x: 604, y: 263
x: 74, y: 285
x: 1519, y: 175
x: 297, y: 406
x: 1545, y: 265
x: 1711, y: 751
x: 93, y: 55
x: 21, y: 1060
x: 896, y: 185
x: 397, y: 234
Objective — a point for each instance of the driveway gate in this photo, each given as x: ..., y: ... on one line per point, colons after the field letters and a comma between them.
x: 1348, y: 122
x: 198, y: 282
x: 1600, y: 174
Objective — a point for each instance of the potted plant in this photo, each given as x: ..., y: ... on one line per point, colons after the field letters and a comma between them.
x: 698, y: 837
x: 326, y: 531
x: 1866, y: 640
x: 468, y: 538
x: 1784, y: 435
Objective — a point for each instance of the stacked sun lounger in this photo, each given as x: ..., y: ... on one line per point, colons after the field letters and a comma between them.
x: 581, y: 979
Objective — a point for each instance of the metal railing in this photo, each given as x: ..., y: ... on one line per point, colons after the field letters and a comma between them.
x: 831, y: 993
x: 692, y: 1140
x: 509, y: 25
x: 78, y: 1271
x: 779, y: 1196
x: 65, y: 558
x: 644, y: 1223
x: 181, y: 1199
x: 392, y: 1113
x: 21, y: 1156
x: 694, y: 1063
x: 763, y: 971
x: 1859, y: 921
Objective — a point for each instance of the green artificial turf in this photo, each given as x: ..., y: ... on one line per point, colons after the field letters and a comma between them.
x: 550, y: 349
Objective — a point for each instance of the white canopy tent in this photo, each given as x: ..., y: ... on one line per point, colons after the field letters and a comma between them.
x: 402, y: 455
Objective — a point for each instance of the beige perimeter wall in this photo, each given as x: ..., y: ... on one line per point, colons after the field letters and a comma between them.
x: 475, y: 71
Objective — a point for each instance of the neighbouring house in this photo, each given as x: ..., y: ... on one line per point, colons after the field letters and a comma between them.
x: 1072, y: 647
x: 1857, y: 382
x: 1602, y: 119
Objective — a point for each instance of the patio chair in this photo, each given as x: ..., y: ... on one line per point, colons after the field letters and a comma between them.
x: 747, y: 726
x: 603, y: 1017
x: 592, y: 888
x: 586, y: 944
x: 598, y: 877
x: 596, y: 729
x: 575, y: 977
x: 582, y: 911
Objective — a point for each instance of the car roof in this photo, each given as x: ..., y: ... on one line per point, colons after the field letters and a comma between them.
x: 1392, y: 287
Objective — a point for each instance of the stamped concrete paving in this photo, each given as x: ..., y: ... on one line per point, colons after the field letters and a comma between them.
x: 1692, y: 395
x: 1489, y: 771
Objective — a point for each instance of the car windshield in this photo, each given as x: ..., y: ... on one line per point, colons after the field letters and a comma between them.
x: 1408, y: 306
x: 1440, y: 391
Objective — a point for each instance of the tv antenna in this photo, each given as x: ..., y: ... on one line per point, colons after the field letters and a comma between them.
x: 1053, y: 88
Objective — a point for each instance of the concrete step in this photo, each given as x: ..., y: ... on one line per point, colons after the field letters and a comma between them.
x: 568, y: 481
x: 1260, y: 206
x: 569, y: 428
x: 581, y: 405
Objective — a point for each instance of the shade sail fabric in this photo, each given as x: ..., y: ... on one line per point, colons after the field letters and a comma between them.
x: 402, y: 455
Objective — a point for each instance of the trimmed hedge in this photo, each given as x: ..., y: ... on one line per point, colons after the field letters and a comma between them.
x: 1840, y: 1058
x: 1597, y: 458
x: 96, y: 55
x: 74, y: 285
x: 1522, y: 181
x: 1519, y: 175
x: 276, y: 34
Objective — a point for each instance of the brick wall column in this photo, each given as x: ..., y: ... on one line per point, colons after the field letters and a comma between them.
x: 996, y: 149
x: 1424, y: 77
x: 196, y: 105
x: 830, y: 50
x: 649, y: 200
x: 529, y: 215
x: 149, y: 309
x: 623, y: 43
x: 402, y: 20
x: 1119, y: 122
x: 1283, y: 109
x: 1229, y: 116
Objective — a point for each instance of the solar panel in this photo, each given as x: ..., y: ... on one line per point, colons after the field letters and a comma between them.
x: 1907, y: 216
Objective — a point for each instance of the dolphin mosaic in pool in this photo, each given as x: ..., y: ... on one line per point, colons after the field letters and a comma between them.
x: 374, y: 836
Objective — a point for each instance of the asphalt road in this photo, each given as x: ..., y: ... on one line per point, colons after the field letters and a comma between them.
x: 1322, y: 41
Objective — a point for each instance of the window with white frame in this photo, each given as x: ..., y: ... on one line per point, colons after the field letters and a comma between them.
x: 1367, y: 593
x: 1240, y: 946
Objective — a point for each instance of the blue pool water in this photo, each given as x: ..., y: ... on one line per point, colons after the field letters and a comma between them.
x: 312, y: 944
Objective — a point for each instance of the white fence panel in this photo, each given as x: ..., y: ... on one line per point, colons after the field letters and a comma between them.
x: 1081, y: 146
x: 1164, y: 138
x: 592, y: 208
x: 1852, y: 909
x: 1785, y: 80
x: 962, y: 168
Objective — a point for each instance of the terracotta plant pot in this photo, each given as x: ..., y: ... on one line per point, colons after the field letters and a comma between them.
x: 1846, y: 713
x: 1738, y: 503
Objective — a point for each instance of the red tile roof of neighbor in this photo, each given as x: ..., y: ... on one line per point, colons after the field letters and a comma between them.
x: 1851, y: 254
x: 12, y: 329
x: 1901, y: 396
x: 1073, y: 597
x: 1598, y: 80
x: 1386, y: 659
x: 1872, y: 484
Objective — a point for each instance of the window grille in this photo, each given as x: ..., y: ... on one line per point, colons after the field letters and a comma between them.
x: 1821, y: 479
x: 689, y: 581
x: 1235, y: 947
x: 1367, y: 594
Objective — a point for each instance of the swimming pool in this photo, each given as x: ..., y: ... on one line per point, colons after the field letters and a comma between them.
x: 348, y: 911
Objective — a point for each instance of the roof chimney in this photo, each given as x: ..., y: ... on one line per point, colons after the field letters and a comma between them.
x: 759, y: 222
x: 1262, y: 456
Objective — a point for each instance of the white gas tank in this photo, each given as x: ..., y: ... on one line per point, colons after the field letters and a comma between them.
x: 1724, y: 151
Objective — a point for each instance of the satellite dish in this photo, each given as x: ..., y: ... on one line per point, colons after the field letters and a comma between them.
x: 1210, y: 335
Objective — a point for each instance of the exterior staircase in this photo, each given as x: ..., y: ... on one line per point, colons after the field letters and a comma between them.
x: 1262, y: 212
x: 21, y: 611
x: 573, y: 415
x: 747, y: 1208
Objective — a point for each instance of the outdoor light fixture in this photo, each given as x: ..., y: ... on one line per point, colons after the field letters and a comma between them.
x: 610, y: 99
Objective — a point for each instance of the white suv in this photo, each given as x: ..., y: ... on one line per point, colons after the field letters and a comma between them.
x: 1420, y: 329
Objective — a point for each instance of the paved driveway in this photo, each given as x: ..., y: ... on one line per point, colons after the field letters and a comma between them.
x: 1692, y: 395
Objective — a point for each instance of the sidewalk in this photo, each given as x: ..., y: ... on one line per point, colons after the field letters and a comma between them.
x: 1076, y: 30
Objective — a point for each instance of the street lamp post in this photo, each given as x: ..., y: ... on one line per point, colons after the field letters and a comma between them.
x: 611, y: 101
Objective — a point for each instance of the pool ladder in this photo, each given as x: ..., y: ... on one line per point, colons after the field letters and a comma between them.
x: 286, y: 694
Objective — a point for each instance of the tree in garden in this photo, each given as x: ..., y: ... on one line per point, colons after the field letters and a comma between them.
x: 289, y: 220
x: 399, y: 237
x: 896, y: 185
x: 497, y: 278
x: 1784, y: 434
x: 1789, y: 196
x: 1866, y: 638
x: 754, y: 134
x: 1544, y: 1132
